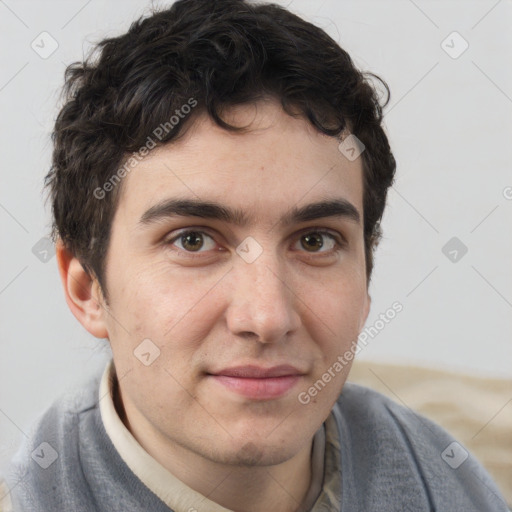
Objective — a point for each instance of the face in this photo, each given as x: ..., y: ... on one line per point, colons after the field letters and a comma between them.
x: 244, y: 293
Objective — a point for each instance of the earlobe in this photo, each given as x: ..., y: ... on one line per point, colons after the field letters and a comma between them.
x: 82, y: 292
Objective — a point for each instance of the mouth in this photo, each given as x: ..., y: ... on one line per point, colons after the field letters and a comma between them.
x: 258, y: 383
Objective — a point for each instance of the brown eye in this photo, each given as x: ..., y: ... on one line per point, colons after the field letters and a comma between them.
x: 312, y: 242
x: 192, y: 241
x: 321, y: 242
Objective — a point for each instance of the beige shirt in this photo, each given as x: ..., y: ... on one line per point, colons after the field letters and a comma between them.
x: 181, y: 498
x: 5, y: 498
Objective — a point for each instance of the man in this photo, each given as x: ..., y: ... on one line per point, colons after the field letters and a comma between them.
x: 219, y: 175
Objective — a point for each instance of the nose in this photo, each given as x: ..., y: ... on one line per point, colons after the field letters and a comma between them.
x: 263, y: 304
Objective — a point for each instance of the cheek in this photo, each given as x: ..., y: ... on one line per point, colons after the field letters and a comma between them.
x: 175, y: 310
x: 334, y: 315
x: 159, y: 297
x: 334, y: 323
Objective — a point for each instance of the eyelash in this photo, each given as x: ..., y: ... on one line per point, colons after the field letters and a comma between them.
x: 340, y: 242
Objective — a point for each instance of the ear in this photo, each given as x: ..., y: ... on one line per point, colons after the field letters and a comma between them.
x: 83, y: 292
x: 365, y: 311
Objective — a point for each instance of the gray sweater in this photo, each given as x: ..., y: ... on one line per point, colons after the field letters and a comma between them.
x: 391, y: 460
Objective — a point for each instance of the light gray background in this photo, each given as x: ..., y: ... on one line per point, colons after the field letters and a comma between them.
x: 450, y: 126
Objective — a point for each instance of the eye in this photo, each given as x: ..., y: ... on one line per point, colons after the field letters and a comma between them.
x: 319, y: 242
x: 193, y: 241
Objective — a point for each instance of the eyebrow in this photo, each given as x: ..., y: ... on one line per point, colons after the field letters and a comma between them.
x: 170, y: 208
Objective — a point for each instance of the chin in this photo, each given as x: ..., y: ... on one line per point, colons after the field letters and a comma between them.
x: 257, y: 452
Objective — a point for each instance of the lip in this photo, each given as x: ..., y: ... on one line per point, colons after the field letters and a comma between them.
x: 258, y: 383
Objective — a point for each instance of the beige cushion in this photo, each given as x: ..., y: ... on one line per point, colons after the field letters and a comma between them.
x: 476, y: 411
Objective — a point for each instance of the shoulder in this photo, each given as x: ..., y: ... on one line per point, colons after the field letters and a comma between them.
x: 65, y: 413
x: 52, y: 440
x: 391, y: 445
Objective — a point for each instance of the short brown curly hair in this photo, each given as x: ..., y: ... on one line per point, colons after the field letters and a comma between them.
x: 220, y: 53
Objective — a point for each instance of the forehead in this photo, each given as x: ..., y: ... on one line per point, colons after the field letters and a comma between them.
x: 278, y: 162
